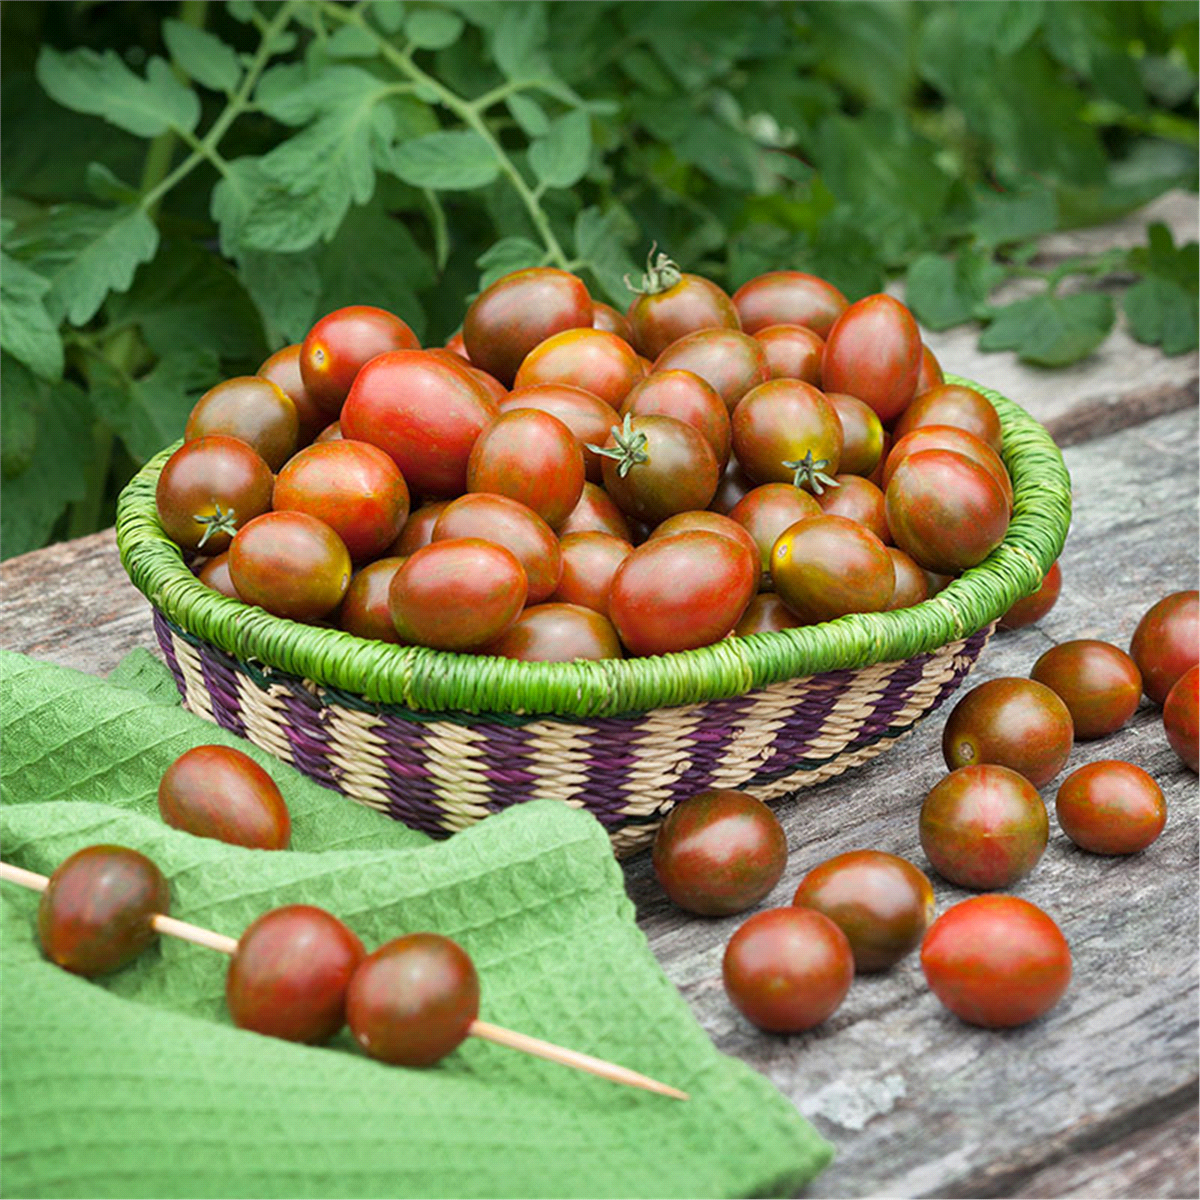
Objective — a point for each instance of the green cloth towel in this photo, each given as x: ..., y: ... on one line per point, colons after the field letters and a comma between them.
x: 139, y: 1085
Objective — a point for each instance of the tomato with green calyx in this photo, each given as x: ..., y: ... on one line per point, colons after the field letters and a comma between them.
x: 597, y: 361
x: 857, y: 499
x: 947, y: 437
x: 789, y: 298
x: 686, y: 397
x: 996, y: 961
x: 912, y: 585
x: 825, y: 567
x: 215, y: 574
x: 670, y: 305
x: 365, y: 610
x: 597, y: 513
x: 605, y: 317
x: 457, y: 594
x: 945, y: 510
x: 1100, y: 684
x: 655, y: 467
x: 589, y: 561
x: 291, y: 564
x: 210, y: 488
x: 585, y: 415
x: 519, y: 311
x: 341, y: 343
x: 787, y: 969
x: 785, y: 431
x: 954, y: 405
x: 1166, y: 643
x: 729, y: 361
x: 862, y: 434
x: 283, y: 370
x: 713, y: 522
x: 873, y: 352
x: 558, y: 633
x: 766, y: 613
x: 681, y: 592
x: 1181, y: 718
x: 930, y: 374
x: 252, y: 409
x: 425, y: 413
x: 418, y: 529
x: 1111, y: 807
x: 354, y: 487
x: 1018, y: 723
x: 793, y: 352
x: 1037, y: 604
x: 881, y: 902
x: 719, y: 852
x: 766, y: 511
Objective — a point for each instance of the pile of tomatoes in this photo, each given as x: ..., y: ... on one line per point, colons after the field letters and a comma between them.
x: 565, y: 482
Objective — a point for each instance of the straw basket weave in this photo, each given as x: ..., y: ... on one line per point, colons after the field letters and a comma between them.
x: 442, y: 740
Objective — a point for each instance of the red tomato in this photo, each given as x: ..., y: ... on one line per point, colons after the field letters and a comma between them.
x: 283, y: 370
x: 681, y: 592
x: 785, y: 431
x: 331, y: 433
x: 516, y: 313
x: 605, y: 317
x: 729, y: 361
x: 456, y: 345
x: 215, y: 574
x: 1166, y: 643
x: 597, y: 513
x: 671, y: 305
x: 1100, y: 685
x: 365, y: 610
x: 713, y: 522
x: 340, y: 344
x: 733, y: 485
x: 457, y: 594
x: 912, y: 586
x: 954, y: 405
x: 252, y: 409
x: 589, y: 562
x: 558, y: 633
x: 996, y: 961
x: 423, y: 412
x: 687, y: 398
x: 789, y: 298
x: 793, y: 352
x: 859, y: 500
x: 874, y: 352
x: 598, y: 362
x: 354, y: 487
x: 1180, y: 717
x: 491, y: 384
x: 510, y: 524
x: 766, y: 613
x: 418, y: 529
x: 947, y: 437
x: 1037, y: 604
x: 766, y: 511
x: 930, y: 375
x: 862, y: 435
x: 585, y: 415
x: 945, y: 510
x: 1111, y: 807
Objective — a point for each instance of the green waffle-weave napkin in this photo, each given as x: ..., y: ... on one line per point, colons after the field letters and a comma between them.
x: 139, y: 1085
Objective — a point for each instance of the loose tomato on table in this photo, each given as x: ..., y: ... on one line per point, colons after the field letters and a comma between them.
x: 785, y: 431
x: 671, y: 304
x: 1111, y: 807
x: 283, y: 370
x: 592, y: 359
x: 557, y: 632
x: 793, y: 352
x: 588, y: 417
x: 341, y: 343
x: 1166, y: 642
x: 766, y: 511
x: 686, y: 397
x: 873, y: 352
x: 954, y: 405
x: 1100, y: 684
x: 365, y: 610
x: 1181, y: 718
x: 789, y: 298
x: 252, y: 409
x: 589, y: 561
x: 729, y: 361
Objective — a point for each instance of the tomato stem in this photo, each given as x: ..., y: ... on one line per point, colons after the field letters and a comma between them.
x: 221, y: 521
x: 629, y: 450
x: 661, y: 275
x: 810, y: 473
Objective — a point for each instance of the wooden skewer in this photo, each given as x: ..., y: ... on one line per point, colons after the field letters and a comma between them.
x: 479, y: 1029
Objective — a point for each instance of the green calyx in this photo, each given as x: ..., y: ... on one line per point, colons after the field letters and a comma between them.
x: 809, y: 473
x: 661, y: 274
x: 629, y: 450
x: 219, y: 522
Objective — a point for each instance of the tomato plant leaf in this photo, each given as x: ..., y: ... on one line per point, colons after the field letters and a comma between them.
x: 284, y: 288
x: 529, y: 114
x: 945, y: 291
x: 450, y: 160
x: 387, y: 14
x: 561, y: 158
x: 26, y: 330
x: 519, y: 37
x: 351, y: 41
x: 1161, y: 307
x: 508, y: 254
x: 18, y: 419
x: 1015, y: 217
x: 601, y: 241
x: 202, y: 55
x: 1050, y: 330
x: 433, y: 28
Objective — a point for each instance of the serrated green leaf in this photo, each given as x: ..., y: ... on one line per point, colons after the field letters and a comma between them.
x: 26, y: 330
x: 18, y: 419
x: 507, y: 255
x: 452, y: 159
x: 943, y: 291
x: 387, y: 14
x: 85, y: 253
x: 601, y: 243
x: 202, y: 55
x: 284, y: 288
x: 1050, y: 330
x: 433, y: 28
x: 1160, y: 312
x: 105, y: 185
x: 1160, y: 256
x: 101, y: 84
x: 236, y: 193
x: 529, y: 114
x: 240, y: 10
x: 1015, y: 217
x: 519, y: 38
x: 561, y: 158
x: 351, y: 41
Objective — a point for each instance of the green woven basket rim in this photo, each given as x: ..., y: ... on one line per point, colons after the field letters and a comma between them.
x: 419, y: 678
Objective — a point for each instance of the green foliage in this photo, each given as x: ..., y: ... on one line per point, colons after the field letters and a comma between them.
x: 187, y: 187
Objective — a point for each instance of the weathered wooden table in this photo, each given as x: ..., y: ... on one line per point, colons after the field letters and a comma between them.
x: 1097, y: 1099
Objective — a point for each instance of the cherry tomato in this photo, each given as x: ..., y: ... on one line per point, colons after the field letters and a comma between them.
x: 671, y: 305
x: 766, y: 613
x: 215, y: 574
x: 719, y: 852
x: 510, y: 524
x: 862, y: 434
x: 605, y: 317
x: 873, y: 352
x: 825, y: 567
x: 946, y: 437
x: 457, y: 594
x: 283, y: 370
x: 713, y: 522
x: 882, y: 903
x: 1100, y: 685
x: 1037, y: 604
x: 94, y: 916
x: 996, y: 961
x: 876, y: 476
x: 1111, y: 807
x: 589, y: 561
x: 558, y: 633
x: 519, y: 311
x: 1181, y: 719
x: 210, y: 488
x: 341, y: 343
x: 456, y: 345
x: 687, y: 398
x: 1166, y: 643
x: 365, y: 610
x: 681, y: 592
x: 291, y: 564
x: 930, y: 375
x: 945, y: 510
x: 289, y: 974
x: 597, y: 361
x: 585, y: 415
x: 766, y: 511
x: 793, y: 352
x: 787, y: 969
x: 984, y: 827
x: 418, y: 529
x: 354, y: 487
x: 655, y: 467
x: 596, y: 513
x: 413, y: 1001
x: 954, y: 405
x: 785, y: 431
x: 729, y: 361
x: 251, y: 409
x: 733, y: 485
x: 491, y: 384
x: 1018, y: 723
x: 936, y: 582
x: 530, y: 457
x: 331, y: 433
x: 912, y: 586
x: 789, y: 298
x: 219, y: 792
x: 422, y: 411
x: 859, y: 500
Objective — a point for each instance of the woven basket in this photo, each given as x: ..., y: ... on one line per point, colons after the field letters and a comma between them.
x: 442, y: 740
